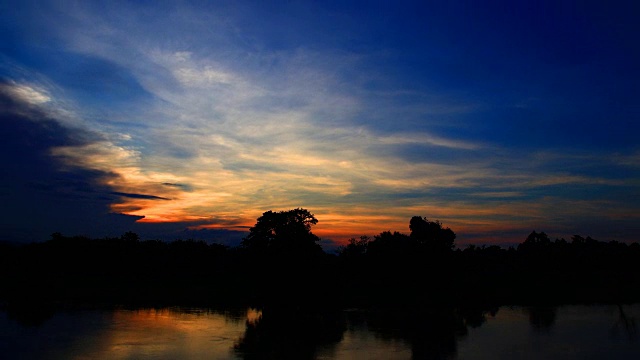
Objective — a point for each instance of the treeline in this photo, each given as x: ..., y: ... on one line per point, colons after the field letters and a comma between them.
x: 538, y: 271
x: 281, y: 262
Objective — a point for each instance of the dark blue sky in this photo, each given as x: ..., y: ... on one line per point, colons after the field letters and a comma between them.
x: 496, y: 117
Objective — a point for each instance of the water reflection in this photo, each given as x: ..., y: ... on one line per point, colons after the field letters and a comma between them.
x: 428, y: 333
x: 170, y: 333
x: 431, y: 333
x: 568, y: 332
x: 625, y: 325
x: 542, y: 318
x: 30, y: 314
x: 284, y: 333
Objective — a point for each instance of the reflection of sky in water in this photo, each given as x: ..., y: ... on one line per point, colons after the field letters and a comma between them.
x: 171, y: 334
x: 577, y: 332
x: 568, y: 332
x: 367, y: 345
x: 127, y: 334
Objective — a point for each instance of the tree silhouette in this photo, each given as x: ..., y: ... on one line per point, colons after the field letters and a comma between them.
x: 355, y: 248
x: 284, y: 256
x: 388, y: 244
x: 430, y: 235
x: 538, y: 242
x: 283, y: 232
x: 130, y: 237
x: 284, y: 264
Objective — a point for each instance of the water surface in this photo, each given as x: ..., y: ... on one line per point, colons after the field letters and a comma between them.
x: 567, y: 332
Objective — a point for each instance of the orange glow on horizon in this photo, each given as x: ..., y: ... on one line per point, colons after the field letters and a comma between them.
x: 341, y: 227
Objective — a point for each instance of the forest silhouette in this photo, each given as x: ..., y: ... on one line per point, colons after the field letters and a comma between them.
x: 281, y: 263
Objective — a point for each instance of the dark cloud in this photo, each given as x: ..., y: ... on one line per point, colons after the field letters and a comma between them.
x: 139, y: 196
x: 40, y: 196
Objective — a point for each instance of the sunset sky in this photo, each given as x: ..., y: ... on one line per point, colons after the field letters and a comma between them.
x: 190, y: 119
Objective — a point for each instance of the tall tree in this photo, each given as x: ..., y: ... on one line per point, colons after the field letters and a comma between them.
x: 431, y: 235
x: 283, y: 231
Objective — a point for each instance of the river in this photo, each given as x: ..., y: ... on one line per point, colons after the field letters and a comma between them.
x: 518, y: 332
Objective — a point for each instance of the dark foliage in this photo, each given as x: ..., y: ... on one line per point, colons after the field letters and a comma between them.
x: 281, y: 263
x: 283, y: 233
x: 430, y: 235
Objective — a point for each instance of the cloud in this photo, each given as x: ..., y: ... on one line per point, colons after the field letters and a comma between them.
x: 185, y: 187
x: 202, y: 110
x: 413, y: 138
x: 40, y: 196
x: 206, y: 77
x: 25, y: 93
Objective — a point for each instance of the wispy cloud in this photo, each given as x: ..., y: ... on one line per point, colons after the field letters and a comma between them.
x: 231, y: 127
x: 29, y: 94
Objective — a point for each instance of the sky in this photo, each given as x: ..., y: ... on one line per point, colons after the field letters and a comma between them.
x: 190, y: 119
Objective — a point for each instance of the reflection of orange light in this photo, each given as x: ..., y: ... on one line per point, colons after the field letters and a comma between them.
x: 183, y: 333
x: 253, y: 315
x: 168, y: 318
